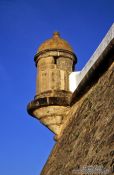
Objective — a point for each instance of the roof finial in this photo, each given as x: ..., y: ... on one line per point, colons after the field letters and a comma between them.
x: 56, y: 34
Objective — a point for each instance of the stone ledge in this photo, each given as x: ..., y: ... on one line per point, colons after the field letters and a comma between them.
x: 46, y: 101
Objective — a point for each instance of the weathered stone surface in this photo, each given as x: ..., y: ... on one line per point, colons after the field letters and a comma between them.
x: 88, y: 138
x: 54, y: 60
x: 56, y: 42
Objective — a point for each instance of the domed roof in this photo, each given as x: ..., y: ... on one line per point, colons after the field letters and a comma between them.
x: 56, y: 42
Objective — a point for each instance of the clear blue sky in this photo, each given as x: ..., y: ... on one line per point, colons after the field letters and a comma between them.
x: 24, y: 24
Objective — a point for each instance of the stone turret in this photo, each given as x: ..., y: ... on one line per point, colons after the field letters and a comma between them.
x: 55, y: 61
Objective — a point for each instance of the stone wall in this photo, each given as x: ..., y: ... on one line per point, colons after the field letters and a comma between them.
x: 88, y: 139
x: 53, y: 72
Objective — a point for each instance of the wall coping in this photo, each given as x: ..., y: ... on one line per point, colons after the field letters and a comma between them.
x: 95, y: 60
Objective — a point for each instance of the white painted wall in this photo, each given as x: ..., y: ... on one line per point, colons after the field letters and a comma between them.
x: 74, y: 80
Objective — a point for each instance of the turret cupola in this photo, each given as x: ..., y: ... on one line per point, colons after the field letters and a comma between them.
x: 55, y: 61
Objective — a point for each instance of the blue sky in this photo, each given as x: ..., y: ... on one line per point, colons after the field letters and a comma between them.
x: 25, y: 144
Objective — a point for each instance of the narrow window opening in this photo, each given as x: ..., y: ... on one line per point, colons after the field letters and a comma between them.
x: 55, y: 59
